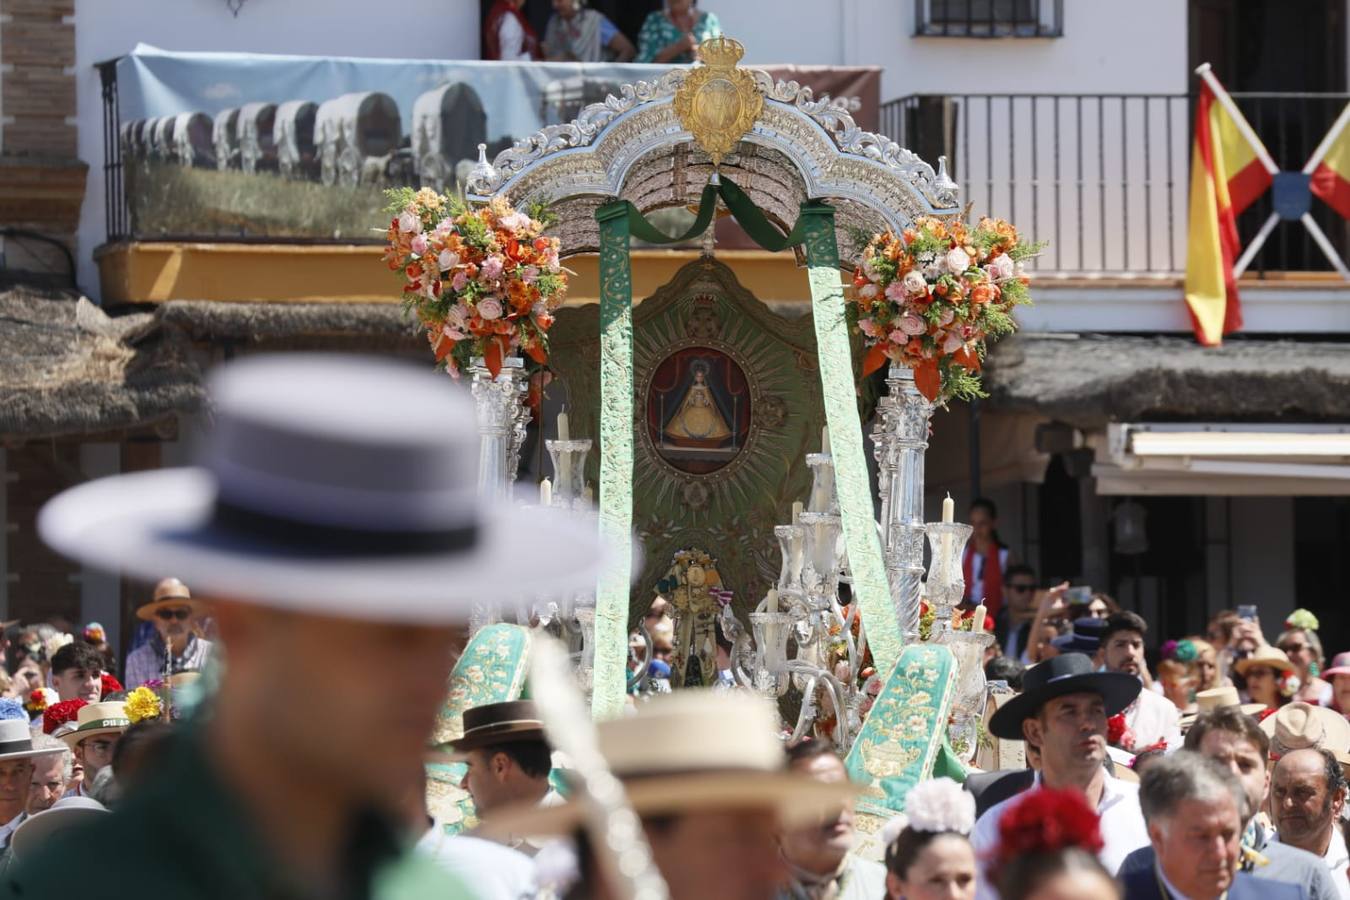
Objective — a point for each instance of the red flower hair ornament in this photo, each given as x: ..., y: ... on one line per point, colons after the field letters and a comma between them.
x: 58, y: 714
x: 1047, y: 820
x: 111, y: 685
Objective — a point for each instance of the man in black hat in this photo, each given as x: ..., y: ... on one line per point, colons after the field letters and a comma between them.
x: 1062, y: 710
x: 508, y: 760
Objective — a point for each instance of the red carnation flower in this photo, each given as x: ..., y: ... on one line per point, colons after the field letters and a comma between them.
x: 1118, y: 734
x: 1046, y: 821
x: 111, y: 685
x: 58, y: 714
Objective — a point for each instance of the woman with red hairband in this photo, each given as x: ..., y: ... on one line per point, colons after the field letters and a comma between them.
x: 1047, y: 850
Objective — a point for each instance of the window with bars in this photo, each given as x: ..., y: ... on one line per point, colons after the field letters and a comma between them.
x: 989, y: 18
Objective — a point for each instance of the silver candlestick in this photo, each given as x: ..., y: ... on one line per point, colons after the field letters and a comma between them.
x: 901, y: 438
x: 502, y: 417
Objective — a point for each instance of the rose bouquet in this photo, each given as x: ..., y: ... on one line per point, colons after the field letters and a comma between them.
x: 931, y: 298
x: 483, y: 282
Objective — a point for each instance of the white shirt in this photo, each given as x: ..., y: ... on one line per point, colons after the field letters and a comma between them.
x: 1153, y: 718
x: 7, y: 830
x: 1122, y: 826
x: 493, y: 871
x: 1337, y: 859
x: 511, y: 39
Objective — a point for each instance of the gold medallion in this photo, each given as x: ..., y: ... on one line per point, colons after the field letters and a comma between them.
x: 718, y: 102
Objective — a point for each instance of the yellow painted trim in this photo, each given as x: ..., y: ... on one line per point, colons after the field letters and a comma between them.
x: 295, y: 273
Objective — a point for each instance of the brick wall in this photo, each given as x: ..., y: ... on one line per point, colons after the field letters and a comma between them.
x: 40, y: 582
x: 41, y: 178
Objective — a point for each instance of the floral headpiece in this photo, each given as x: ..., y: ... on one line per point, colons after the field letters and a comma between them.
x: 1047, y: 821
x: 58, y: 714
x: 940, y: 805
x: 11, y: 708
x: 143, y: 704
x: 94, y: 633
x: 1303, y: 620
x: 110, y: 684
x: 1181, y: 651
x: 1289, y: 684
x: 39, y: 699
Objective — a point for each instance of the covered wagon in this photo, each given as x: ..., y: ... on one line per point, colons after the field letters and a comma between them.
x: 192, y: 139
x: 225, y: 137
x: 358, y: 135
x: 564, y: 98
x: 161, y: 142
x: 448, y: 125
x: 293, y: 135
x: 257, y: 152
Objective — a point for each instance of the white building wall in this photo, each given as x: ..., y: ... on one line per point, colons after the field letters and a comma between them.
x: 104, y: 29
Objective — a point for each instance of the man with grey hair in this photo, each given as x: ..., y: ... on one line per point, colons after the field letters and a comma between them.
x: 1307, y: 794
x: 51, y: 774
x: 1195, y: 815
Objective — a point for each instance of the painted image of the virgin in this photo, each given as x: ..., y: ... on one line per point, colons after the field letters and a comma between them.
x: 698, y: 406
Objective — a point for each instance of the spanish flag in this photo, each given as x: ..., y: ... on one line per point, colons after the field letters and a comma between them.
x: 1331, y: 177
x: 1229, y: 169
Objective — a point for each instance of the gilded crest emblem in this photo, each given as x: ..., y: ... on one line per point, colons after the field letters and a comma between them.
x: 718, y: 102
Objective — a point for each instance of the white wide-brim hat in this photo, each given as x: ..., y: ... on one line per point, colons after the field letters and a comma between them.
x: 36, y: 830
x: 331, y: 485
x: 16, y: 741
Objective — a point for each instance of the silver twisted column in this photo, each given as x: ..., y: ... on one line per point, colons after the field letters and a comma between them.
x: 502, y: 417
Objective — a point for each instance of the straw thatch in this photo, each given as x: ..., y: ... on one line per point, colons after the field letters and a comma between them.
x: 1088, y: 380
x: 66, y: 367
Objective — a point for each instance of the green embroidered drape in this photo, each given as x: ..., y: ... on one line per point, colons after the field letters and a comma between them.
x: 619, y: 220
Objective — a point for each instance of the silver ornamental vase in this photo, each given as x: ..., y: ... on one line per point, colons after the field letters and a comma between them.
x: 901, y: 438
x: 502, y: 417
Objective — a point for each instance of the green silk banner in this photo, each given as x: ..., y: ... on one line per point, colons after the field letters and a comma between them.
x: 814, y: 228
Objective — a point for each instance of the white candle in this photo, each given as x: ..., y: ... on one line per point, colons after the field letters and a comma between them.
x: 545, y: 493
x: 797, y: 512
x: 825, y: 439
x: 949, y: 509
x: 980, y: 613
x: 563, y: 434
x: 771, y: 601
x: 945, y: 543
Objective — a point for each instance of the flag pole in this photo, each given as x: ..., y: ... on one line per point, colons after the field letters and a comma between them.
x: 1255, y: 246
x: 1319, y: 237
x: 1205, y: 71
x: 1327, y: 141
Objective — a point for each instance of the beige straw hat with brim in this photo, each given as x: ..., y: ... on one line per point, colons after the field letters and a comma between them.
x: 1224, y: 697
x: 1266, y: 655
x: 1301, y: 726
x: 108, y: 717
x: 691, y: 751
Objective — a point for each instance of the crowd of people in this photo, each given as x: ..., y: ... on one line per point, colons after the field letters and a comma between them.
x: 253, y: 748
x: 578, y: 33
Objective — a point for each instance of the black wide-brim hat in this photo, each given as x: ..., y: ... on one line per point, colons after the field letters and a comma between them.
x: 1068, y: 673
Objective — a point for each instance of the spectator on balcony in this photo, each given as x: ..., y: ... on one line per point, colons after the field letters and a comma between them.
x: 507, y: 34
x: 578, y: 34
x: 672, y: 35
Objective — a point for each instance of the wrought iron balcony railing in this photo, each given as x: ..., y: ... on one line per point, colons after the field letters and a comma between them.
x: 1104, y: 178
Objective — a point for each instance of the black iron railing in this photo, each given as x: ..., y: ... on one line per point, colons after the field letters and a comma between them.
x: 989, y: 18
x: 114, y: 190
x: 1105, y: 177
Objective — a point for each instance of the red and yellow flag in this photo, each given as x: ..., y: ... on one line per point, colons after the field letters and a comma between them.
x: 1229, y: 169
x: 1331, y: 178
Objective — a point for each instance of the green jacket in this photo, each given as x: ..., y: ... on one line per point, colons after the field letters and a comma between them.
x: 182, y: 836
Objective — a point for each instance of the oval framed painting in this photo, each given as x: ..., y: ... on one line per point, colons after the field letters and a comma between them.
x: 698, y: 410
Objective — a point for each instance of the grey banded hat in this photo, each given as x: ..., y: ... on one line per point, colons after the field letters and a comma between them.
x: 16, y: 741
x: 330, y: 485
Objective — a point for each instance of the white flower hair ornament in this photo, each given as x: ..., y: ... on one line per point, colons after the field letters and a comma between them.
x: 940, y: 805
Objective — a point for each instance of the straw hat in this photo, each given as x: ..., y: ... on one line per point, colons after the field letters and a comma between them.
x: 693, y: 750
x: 1299, y: 726
x: 1340, y: 665
x: 499, y: 723
x: 1218, y: 698
x: 330, y: 485
x: 1265, y: 655
x: 16, y: 741
x: 37, y: 830
x: 108, y: 717
x: 170, y: 592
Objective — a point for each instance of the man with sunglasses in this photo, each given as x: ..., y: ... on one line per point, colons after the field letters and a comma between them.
x: 1019, y: 588
x: 175, y: 647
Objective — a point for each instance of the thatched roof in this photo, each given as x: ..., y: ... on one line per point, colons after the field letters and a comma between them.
x: 69, y: 368
x: 1087, y: 380
x: 271, y: 323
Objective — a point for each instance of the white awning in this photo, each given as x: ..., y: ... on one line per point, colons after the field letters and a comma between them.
x: 1224, y: 459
